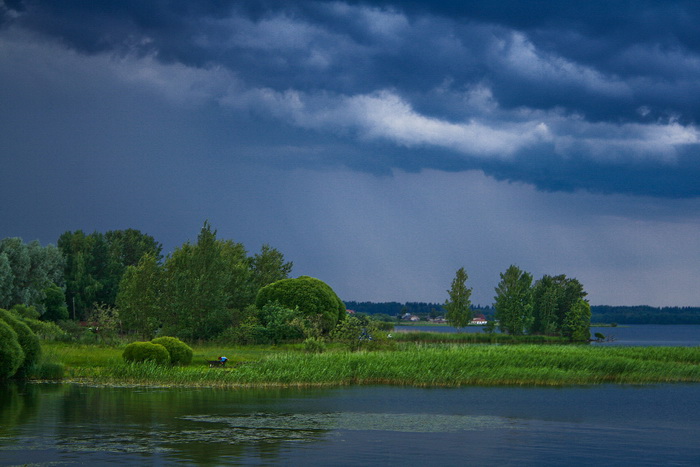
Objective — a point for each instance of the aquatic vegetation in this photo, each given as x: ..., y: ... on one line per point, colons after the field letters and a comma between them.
x: 410, y: 365
x: 474, y: 338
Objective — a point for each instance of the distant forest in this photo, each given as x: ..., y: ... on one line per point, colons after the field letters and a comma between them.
x: 600, y: 313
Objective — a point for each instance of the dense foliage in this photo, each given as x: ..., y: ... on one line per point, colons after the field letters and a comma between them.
x: 27, y: 339
x: 95, y: 263
x: 458, y: 306
x: 26, y: 270
x: 180, y: 353
x: 11, y: 354
x: 137, y: 352
x: 312, y: 297
x: 513, y: 301
x: 200, y: 289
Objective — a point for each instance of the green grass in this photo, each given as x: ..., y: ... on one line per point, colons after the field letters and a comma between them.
x: 410, y: 364
x: 473, y: 338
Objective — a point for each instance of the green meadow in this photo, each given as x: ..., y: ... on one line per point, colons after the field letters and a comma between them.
x: 409, y: 364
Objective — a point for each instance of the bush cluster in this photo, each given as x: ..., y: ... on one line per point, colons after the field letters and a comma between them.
x: 138, y: 352
x: 180, y: 353
x: 312, y: 297
x: 162, y: 350
x: 20, y: 349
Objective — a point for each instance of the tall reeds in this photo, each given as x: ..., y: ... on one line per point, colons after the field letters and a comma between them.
x: 425, y: 365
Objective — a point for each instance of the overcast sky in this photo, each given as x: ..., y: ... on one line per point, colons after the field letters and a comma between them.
x: 379, y: 145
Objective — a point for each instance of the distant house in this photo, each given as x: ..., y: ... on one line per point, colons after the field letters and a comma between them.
x: 409, y: 317
x: 350, y: 312
x: 479, y: 320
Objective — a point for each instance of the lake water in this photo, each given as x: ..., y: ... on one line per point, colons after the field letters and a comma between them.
x: 685, y: 335
x: 61, y: 424
x: 55, y: 424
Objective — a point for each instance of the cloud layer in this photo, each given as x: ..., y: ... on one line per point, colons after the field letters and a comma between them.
x: 457, y: 88
x: 380, y: 145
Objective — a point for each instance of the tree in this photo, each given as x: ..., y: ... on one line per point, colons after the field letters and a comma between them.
x: 240, y: 289
x: 26, y: 270
x: 55, y: 308
x: 269, y: 266
x: 95, y: 264
x: 140, y: 297
x: 513, y: 301
x: 577, y: 322
x: 195, y: 289
x: 313, y: 298
x: 458, y: 306
x: 553, y: 297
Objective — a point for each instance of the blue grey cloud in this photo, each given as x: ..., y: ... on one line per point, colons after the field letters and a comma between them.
x: 541, y: 86
x: 381, y: 145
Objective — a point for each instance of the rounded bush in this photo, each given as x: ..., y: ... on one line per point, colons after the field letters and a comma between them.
x: 27, y: 340
x: 146, y: 351
x: 180, y: 353
x: 313, y: 297
x: 11, y: 354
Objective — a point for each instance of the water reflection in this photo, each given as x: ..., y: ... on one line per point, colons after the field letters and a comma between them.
x: 70, y: 424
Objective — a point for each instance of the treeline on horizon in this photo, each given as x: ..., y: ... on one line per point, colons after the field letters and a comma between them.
x: 604, y: 314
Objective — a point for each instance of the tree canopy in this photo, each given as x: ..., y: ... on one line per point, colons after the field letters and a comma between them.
x: 458, y: 306
x: 513, y: 301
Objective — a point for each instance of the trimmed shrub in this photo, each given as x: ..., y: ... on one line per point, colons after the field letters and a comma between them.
x: 180, y: 353
x: 146, y: 351
x: 27, y: 340
x: 11, y: 354
x: 312, y: 297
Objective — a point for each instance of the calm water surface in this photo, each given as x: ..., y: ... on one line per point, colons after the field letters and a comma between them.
x: 55, y: 424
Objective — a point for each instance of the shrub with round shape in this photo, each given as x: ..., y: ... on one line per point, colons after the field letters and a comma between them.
x: 180, y: 353
x: 146, y: 351
x: 11, y: 354
x: 27, y: 340
x: 311, y: 296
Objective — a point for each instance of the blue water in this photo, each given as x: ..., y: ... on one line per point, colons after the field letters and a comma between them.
x: 60, y: 424
x: 604, y: 425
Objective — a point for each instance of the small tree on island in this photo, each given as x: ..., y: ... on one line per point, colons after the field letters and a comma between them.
x: 458, y: 306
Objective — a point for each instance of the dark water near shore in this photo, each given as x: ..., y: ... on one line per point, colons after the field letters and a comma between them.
x: 53, y: 424
x: 60, y: 424
x: 676, y: 335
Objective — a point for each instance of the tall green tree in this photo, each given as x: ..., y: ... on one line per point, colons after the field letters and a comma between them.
x: 269, y: 266
x: 195, y: 289
x: 140, y: 297
x: 553, y: 297
x: 577, y: 321
x: 55, y: 308
x: 240, y: 289
x: 26, y: 270
x: 95, y: 264
x: 513, y: 301
x: 458, y: 305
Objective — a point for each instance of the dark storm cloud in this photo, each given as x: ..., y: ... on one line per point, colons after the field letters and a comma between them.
x: 600, y: 96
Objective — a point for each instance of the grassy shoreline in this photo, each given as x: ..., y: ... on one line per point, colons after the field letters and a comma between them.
x: 440, y: 365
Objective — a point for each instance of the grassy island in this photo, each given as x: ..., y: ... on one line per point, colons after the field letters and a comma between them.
x: 407, y: 364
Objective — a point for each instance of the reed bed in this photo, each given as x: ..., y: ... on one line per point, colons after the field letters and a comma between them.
x: 473, y: 338
x: 422, y: 365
